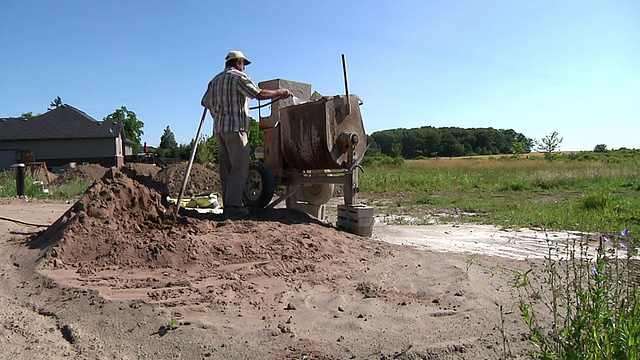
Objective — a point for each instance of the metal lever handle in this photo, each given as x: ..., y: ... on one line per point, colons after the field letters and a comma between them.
x: 346, y: 84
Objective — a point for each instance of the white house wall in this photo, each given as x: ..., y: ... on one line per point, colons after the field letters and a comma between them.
x: 118, y: 145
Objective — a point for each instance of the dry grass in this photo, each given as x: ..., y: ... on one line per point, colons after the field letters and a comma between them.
x: 478, y: 162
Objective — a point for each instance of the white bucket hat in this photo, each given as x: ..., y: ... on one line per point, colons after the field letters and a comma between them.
x: 237, y: 54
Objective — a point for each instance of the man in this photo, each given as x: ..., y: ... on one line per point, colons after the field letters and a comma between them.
x: 226, y: 99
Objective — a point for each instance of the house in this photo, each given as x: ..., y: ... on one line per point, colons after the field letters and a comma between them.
x: 62, y: 136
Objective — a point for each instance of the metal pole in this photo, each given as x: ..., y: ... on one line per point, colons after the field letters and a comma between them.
x: 20, y: 187
x: 190, y: 163
x: 346, y: 84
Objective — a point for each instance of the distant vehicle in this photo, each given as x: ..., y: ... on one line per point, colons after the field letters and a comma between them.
x: 147, y: 158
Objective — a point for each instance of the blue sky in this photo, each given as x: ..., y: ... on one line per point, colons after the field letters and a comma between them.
x: 532, y: 66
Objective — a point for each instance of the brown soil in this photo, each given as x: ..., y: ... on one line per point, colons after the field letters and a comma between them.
x: 90, y: 172
x: 130, y: 226
x: 119, y: 276
x: 203, y: 179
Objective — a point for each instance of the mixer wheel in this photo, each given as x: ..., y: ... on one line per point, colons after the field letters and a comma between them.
x: 260, y: 185
x: 316, y: 194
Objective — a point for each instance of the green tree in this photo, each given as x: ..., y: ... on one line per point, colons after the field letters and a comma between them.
x: 256, y: 137
x: 184, y: 151
x: 396, y: 150
x: 518, y: 148
x: 600, y: 148
x: 207, y: 151
x: 56, y: 103
x: 448, y: 141
x: 168, y: 140
x: 28, y: 115
x: 374, y: 149
x: 387, y: 139
x: 529, y: 143
x: 449, y: 146
x: 549, y: 145
x: 132, y: 126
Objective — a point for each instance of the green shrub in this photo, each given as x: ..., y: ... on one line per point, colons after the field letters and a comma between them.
x: 38, y: 190
x: 596, y: 201
x: 517, y: 185
x: 70, y: 190
x: 594, y: 302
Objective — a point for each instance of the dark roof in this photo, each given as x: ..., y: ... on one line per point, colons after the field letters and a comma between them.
x: 64, y: 122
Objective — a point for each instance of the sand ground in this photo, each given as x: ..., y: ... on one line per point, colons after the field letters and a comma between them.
x: 116, y: 276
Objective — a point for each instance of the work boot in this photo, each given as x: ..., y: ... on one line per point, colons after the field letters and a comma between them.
x: 236, y: 211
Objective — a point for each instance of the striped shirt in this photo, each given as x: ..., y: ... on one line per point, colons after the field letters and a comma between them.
x: 226, y: 99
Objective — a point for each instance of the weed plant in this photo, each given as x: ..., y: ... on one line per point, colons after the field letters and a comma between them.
x: 584, y: 303
x: 593, y: 302
x: 33, y: 189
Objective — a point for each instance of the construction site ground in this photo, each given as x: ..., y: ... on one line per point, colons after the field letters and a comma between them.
x: 116, y: 275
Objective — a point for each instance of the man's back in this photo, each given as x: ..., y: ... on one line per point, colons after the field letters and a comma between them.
x: 227, y: 97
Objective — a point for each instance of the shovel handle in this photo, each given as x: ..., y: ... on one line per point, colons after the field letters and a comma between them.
x: 190, y: 163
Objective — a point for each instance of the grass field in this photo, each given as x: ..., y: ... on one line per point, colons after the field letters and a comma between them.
x: 572, y: 193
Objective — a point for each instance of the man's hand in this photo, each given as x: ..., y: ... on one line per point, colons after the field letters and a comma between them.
x: 280, y: 93
x: 285, y: 93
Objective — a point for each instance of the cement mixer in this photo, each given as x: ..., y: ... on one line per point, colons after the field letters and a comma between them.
x: 308, y: 147
x: 311, y: 143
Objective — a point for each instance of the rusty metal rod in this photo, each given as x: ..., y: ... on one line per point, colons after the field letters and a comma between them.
x: 190, y: 163
x: 287, y: 194
x: 346, y: 84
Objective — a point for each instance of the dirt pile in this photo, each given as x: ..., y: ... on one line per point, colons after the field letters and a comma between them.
x: 120, y: 222
x: 142, y: 169
x: 203, y: 179
x: 90, y: 172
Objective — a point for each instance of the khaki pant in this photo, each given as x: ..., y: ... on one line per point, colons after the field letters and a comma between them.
x: 233, y: 160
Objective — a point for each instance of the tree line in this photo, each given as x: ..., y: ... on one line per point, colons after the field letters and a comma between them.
x: 423, y: 142
x: 428, y: 141
x: 207, y: 150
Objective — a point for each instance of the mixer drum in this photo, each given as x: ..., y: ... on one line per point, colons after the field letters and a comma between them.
x: 315, y: 135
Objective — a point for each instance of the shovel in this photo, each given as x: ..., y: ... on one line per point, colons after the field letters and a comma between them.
x: 190, y: 163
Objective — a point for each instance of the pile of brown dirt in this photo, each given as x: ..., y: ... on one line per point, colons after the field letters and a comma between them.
x: 120, y: 222
x: 142, y: 169
x: 203, y: 179
x: 90, y: 172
